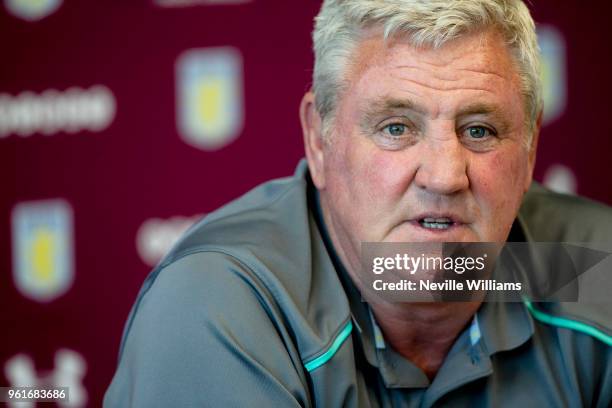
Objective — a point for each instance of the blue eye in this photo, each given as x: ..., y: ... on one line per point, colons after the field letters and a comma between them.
x: 478, y: 132
x: 395, y: 129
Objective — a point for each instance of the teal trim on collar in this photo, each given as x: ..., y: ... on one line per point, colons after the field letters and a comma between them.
x: 568, y: 324
x: 325, y: 357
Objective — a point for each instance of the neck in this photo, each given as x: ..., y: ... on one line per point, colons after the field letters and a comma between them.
x: 423, y: 332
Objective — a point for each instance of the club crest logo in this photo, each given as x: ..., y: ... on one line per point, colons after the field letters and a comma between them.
x: 43, y: 249
x: 553, y: 72
x: 32, y: 10
x: 209, y: 97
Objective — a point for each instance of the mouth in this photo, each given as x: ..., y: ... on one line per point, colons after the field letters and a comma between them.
x: 439, y: 223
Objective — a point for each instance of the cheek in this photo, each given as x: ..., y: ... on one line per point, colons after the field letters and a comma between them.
x: 380, y: 178
x: 497, y: 181
x: 367, y: 187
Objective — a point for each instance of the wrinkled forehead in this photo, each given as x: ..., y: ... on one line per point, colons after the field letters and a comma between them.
x: 474, y: 68
x: 486, y: 47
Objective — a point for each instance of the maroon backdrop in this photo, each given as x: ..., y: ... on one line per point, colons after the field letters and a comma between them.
x: 132, y: 184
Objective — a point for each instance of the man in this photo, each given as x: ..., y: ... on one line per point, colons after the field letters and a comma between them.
x: 422, y: 125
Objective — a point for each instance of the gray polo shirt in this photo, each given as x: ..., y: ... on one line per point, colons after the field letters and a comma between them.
x: 253, y: 308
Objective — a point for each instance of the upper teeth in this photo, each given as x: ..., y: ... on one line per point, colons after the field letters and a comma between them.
x: 437, y: 223
x: 440, y: 220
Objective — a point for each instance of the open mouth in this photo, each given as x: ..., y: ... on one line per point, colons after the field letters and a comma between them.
x: 436, y: 223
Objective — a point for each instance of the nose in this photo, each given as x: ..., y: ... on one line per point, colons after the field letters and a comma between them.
x: 443, y: 167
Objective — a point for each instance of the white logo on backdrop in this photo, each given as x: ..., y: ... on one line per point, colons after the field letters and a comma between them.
x: 561, y: 179
x: 156, y: 236
x: 51, y: 111
x: 70, y: 369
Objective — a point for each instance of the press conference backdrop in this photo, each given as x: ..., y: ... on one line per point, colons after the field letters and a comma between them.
x: 123, y: 122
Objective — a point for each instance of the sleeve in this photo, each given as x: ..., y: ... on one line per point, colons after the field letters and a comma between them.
x: 202, y: 335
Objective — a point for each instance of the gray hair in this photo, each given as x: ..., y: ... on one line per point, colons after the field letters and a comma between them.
x: 340, y: 24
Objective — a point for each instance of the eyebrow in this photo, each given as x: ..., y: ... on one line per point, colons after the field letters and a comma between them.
x: 479, y: 109
x: 384, y: 106
x: 372, y: 112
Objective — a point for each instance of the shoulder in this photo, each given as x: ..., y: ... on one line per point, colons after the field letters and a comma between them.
x: 238, y: 248
x: 593, y: 320
x: 192, y: 331
x: 578, y: 336
x: 262, y: 251
x: 190, y: 293
x: 555, y: 217
x: 270, y: 220
x: 267, y: 231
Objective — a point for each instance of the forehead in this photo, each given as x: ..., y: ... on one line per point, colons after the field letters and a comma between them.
x: 475, y: 68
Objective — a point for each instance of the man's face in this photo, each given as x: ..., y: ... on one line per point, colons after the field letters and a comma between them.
x: 428, y: 145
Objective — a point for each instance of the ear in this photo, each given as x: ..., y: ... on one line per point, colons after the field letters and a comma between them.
x: 532, y: 150
x: 313, y: 139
